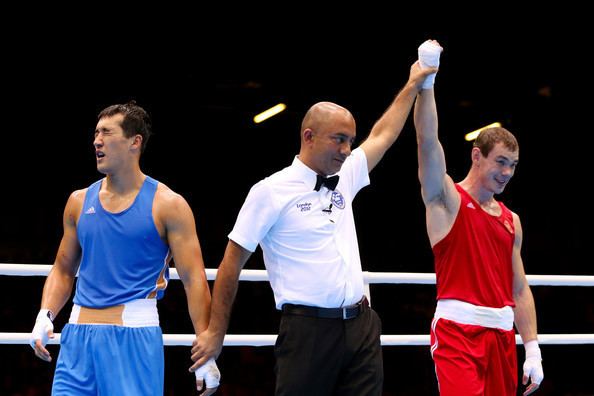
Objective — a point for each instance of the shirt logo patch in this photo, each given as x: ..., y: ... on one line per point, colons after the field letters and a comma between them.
x: 508, y: 226
x: 337, y: 199
x: 304, y: 207
x: 470, y: 205
x: 91, y: 210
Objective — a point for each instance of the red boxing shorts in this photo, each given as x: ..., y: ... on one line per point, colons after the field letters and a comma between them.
x: 473, y: 360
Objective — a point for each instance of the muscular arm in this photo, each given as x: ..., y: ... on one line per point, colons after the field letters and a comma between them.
x: 432, y: 165
x: 210, y: 342
x: 437, y: 188
x: 387, y: 128
x: 185, y: 247
x: 524, y: 312
x: 59, y: 282
x: 525, y: 317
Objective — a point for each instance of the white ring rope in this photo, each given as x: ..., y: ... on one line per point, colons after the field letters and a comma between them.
x: 269, y: 339
x: 370, y: 277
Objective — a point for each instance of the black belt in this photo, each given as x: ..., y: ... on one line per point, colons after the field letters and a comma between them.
x: 348, y: 312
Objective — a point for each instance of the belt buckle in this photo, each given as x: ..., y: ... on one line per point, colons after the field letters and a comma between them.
x: 344, y: 313
x: 353, y: 312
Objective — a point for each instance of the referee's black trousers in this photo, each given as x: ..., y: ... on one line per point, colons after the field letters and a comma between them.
x: 329, y: 357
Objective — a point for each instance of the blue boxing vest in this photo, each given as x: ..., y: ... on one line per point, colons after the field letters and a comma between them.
x: 123, y: 256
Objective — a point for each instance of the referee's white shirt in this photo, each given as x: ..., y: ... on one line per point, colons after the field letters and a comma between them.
x: 311, y: 255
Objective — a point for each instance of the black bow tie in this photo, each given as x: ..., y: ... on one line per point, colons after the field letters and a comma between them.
x: 329, y: 182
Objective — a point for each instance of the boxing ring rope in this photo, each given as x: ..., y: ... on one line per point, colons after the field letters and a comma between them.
x: 369, y: 277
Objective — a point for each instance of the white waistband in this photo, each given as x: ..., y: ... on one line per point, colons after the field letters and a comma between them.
x: 466, y: 313
x: 136, y: 313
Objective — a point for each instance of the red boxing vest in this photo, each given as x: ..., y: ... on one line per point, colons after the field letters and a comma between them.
x: 473, y: 263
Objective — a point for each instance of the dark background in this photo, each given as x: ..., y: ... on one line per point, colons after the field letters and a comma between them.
x: 203, y: 75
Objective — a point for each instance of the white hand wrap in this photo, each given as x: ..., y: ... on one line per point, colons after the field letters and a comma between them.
x: 43, y: 324
x: 209, y: 372
x: 429, y: 57
x: 533, y: 364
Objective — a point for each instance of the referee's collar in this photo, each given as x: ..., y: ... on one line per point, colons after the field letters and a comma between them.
x: 304, y: 173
